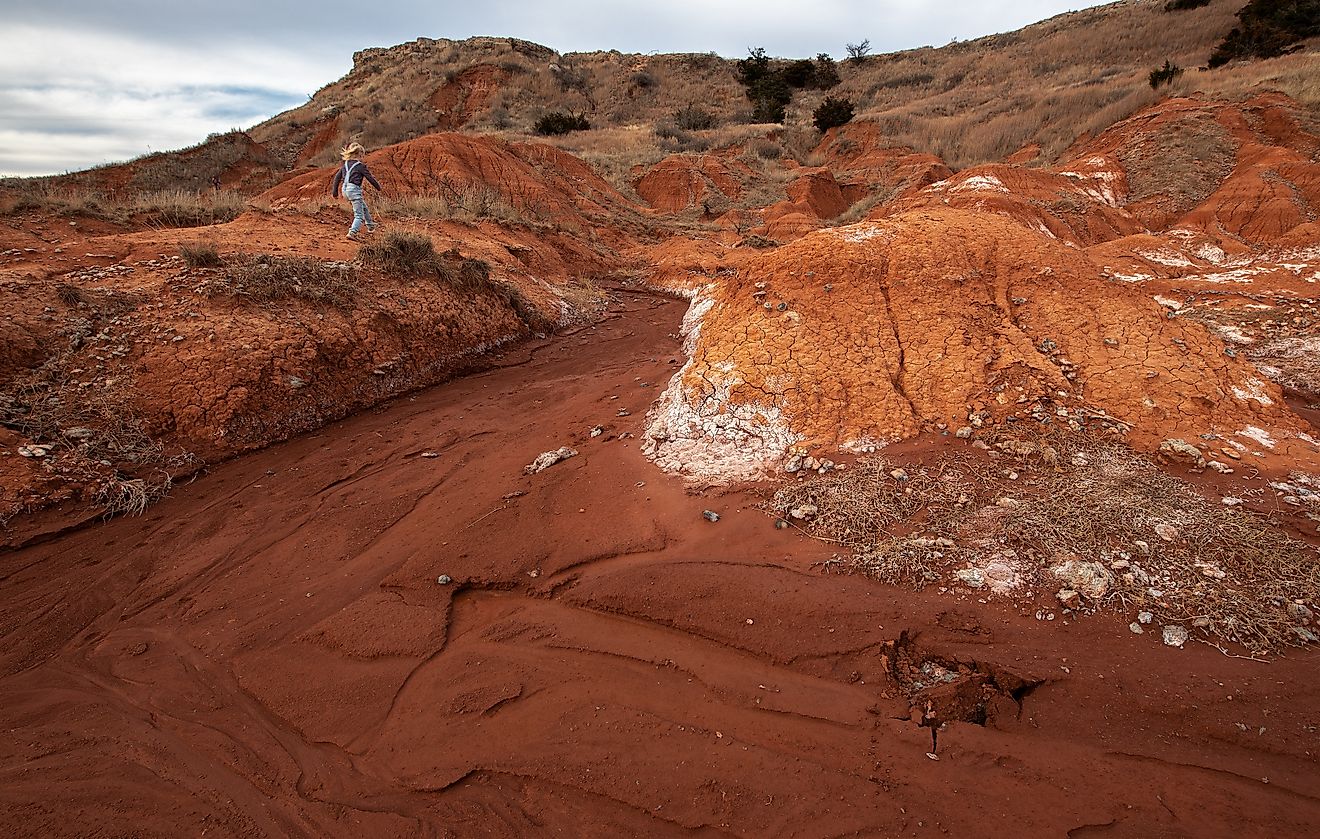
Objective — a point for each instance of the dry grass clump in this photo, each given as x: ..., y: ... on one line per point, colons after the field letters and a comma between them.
x: 165, y: 209
x: 131, y: 496
x: 1153, y: 542
x: 180, y: 208
x: 470, y: 202
x: 874, y: 508
x: 265, y: 277
x: 200, y: 254
x: 411, y: 254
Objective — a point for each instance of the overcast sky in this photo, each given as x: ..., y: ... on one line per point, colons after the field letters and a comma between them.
x: 85, y: 82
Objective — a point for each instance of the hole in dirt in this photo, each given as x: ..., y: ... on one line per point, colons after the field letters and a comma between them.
x: 941, y: 688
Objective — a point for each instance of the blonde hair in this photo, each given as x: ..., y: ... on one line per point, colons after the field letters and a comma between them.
x: 351, y: 150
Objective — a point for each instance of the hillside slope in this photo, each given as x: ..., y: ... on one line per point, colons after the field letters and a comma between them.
x: 1041, y: 87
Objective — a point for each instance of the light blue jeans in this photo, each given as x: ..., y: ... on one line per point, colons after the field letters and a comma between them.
x: 361, y: 215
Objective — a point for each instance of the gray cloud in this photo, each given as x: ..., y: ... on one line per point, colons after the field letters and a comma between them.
x: 84, y: 83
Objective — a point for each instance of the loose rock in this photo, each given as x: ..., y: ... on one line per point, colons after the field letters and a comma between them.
x: 1175, y: 636
x: 547, y: 459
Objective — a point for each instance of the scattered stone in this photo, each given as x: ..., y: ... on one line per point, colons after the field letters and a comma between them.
x: 547, y: 459
x: 624, y: 412
x: 972, y: 577
x: 1181, y: 451
x: 1221, y: 468
x: 781, y: 524
x: 899, y: 474
x: 1175, y: 636
x: 963, y: 433
x: 710, y: 515
x: 794, y: 464
x: 1306, y: 635
x: 430, y: 455
x: 805, y: 511
x: 444, y: 579
x: 1300, y: 613
x: 80, y: 434
x: 1090, y: 578
x: 296, y: 383
x: 34, y: 451
x: 1070, y: 598
x: 1167, y: 532
x: 597, y: 431
x: 1136, y: 628
x: 1209, y: 569
x: 1145, y: 617
x: 932, y: 756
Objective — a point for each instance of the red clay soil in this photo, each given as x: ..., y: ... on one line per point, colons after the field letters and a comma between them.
x: 682, y: 181
x: 534, y: 181
x: 875, y: 332
x: 269, y: 653
x: 469, y: 94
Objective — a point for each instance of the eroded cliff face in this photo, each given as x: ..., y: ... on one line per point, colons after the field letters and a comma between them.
x: 873, y: 332
x: 1011, y: 294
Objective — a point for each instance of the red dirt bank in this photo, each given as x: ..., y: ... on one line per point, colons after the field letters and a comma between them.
x: 269, y: 653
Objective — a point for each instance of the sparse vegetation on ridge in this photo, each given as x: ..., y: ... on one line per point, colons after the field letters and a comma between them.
x: 1164, y: 75
x: 560, y: 122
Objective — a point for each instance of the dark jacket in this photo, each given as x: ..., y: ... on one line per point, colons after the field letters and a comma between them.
x: 356, y: 170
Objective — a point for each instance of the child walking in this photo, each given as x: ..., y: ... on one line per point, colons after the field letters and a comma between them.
x: 351, y: 175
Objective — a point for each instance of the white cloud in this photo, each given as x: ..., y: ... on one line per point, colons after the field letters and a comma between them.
x: 125, y: 96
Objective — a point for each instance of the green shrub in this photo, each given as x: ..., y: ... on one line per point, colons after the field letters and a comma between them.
x: 833, y: 112
x: 560, y: 122
x: 1164, y: 75
x: 754, y: 67
x: 1268, y: 28
x: 799, y: 74
x: 770, y: 96
x: 827, y: 72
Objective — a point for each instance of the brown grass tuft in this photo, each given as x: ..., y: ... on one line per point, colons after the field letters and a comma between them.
x: 265, y: 277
